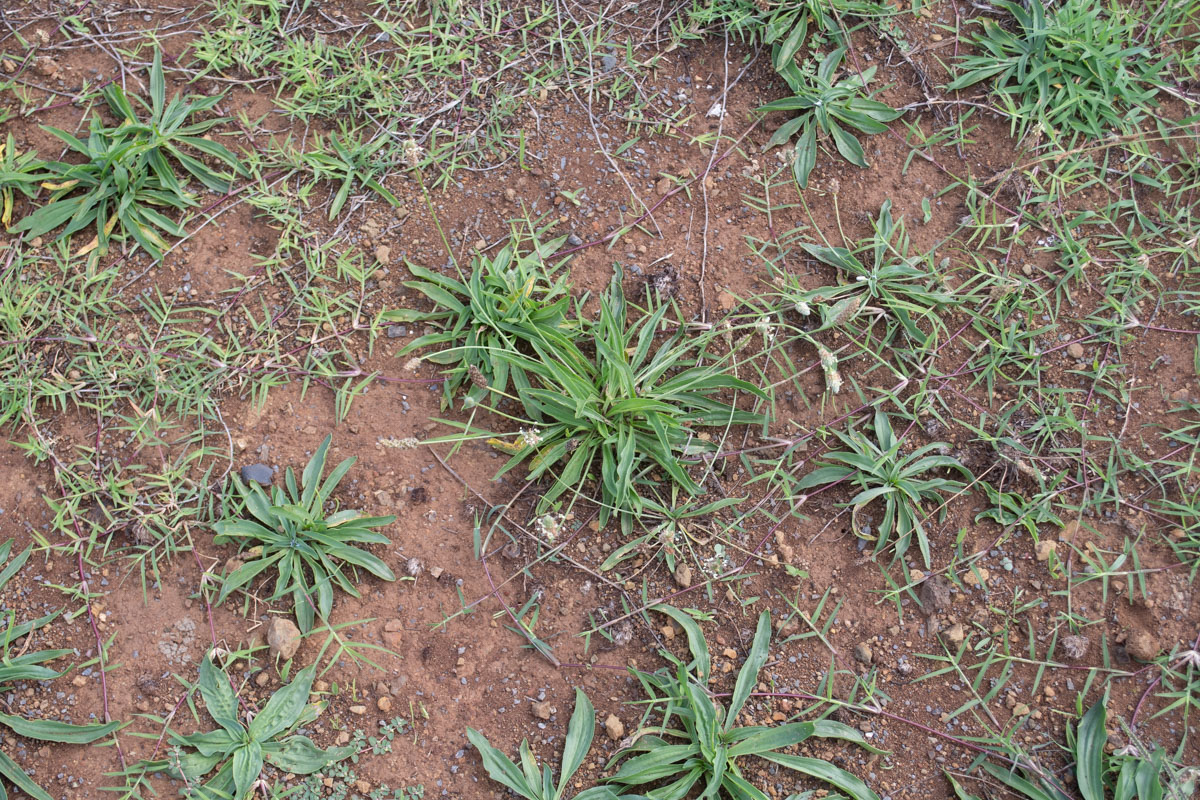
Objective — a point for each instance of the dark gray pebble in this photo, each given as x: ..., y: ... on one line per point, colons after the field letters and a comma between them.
x: 259, y: 473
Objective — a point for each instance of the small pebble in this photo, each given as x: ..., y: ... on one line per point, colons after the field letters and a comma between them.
x: 258, y: 473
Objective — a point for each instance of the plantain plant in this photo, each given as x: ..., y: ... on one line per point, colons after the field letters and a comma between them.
x: 244, y: 742
x: 531, y: 784
x: 627, y: 415
x: 698, y: 744
x: 127, y: 176
x: 900, y: 481
x: 309, y: 550
x: 827, y: 106
x: 1078, y: 69
x: 506, y: 303
x: 1128, y: 774
x: 19, y: 172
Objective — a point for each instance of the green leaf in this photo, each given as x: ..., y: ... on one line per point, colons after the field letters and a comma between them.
x: 580, y: 731
x: 1146, y: 778
x: 707, y: 719
x: 47, y: 218
x: 717, y: 772
x: 621, y: 553
x: 245, y: 573
x: 214, y: 149
x: 14, y: 566
x: 973, y: 76
x: 766, y: 739
x: 883, y: 430
x: 219, y: 742
x: 334, y: 478
x: 829, y: 65
x: 806, y: 156
x: 867, y: 495
x: 298, y: 754
x: 48, y: 730
x: 741, y: 789
x: 828, y: 729
x: 219, y: 697
x: 661, y: 762
x: 789, y: 104
x: 1018, y: 783
x: 787, y: 49
x: 500, y: 767
x: 748, y: 676
x: 19, y: 778
x: 787, y: 130
x: 221, y: 785
x: 312, y: 473
x: 284, y: 708
x: 679, y: 789
x: 1090, y: 739
x: 529, y: 765
x: 158, y: 85
x: 1125, y: 788
x: 824, y: 475
x: 847, y: 145
x: 247, y: 766
x: 824, y: 771
x: 194, y: 766
x: 696, y: 643
x: 838, y: 257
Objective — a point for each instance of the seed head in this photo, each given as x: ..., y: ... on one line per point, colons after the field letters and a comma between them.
x: 844, y: 311
x: 549, y: 526
x: 829, y: 364
x: 412, y: 153
x: 409, y: 443
x: 763, y: 326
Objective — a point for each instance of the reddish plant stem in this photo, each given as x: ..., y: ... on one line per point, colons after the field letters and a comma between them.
x: 179, y: 703
x: 212, y: 627
x: 87, y: 599
x: 1153, y: 684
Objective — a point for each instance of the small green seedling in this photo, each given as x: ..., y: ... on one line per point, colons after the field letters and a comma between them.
x: 881, y: 472
x: 827, y: 106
